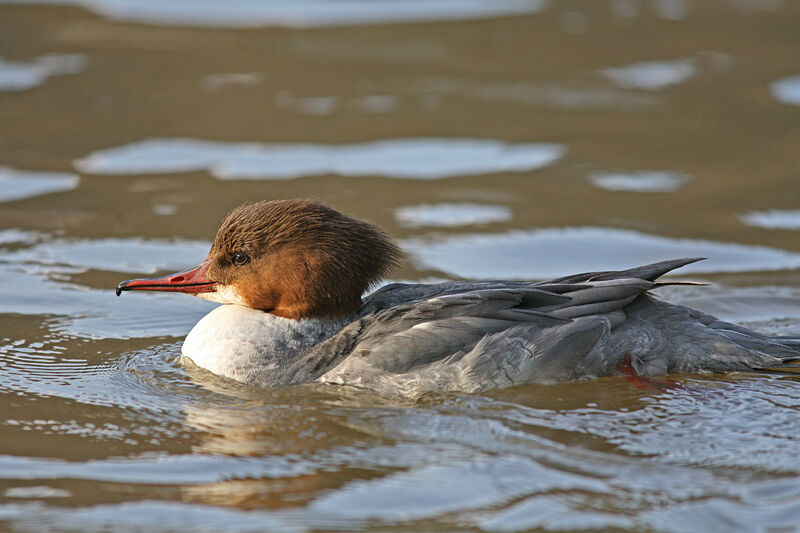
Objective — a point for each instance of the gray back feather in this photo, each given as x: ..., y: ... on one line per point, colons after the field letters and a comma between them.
x: 471, y: 336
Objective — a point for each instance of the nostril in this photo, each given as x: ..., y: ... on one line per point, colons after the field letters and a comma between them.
x: 176, y: 279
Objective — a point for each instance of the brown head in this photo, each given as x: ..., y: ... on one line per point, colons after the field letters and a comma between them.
x: 293, y: 258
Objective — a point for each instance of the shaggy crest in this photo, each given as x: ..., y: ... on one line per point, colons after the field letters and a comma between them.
x: 303, y: 259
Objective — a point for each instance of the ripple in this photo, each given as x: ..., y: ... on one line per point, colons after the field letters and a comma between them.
x: 787, y: 90
x: 143, y: 516
x: 554, y: 252
x: 134, y: 256
x: 151, y: 469
x: 550, y: 514
x: 430, y: 491
x: 690, y: 424
x: 473, y: 461
x: 41, y: 491
x: 18, y: 236
x: 399, y: 158
x: 556, y: 95
x: 19, y: 75
x: 94, y: 313
x: 773, y: 219
x: 19, y: 184
x: 492, y: 429
x: 303, y: 13
x: 144, y: 380
x: 450, y: 214
x: 652, y: 75
x: 767, y: 309
x: 215, y: 82
x: 640, y: 180
x: 36, y: 281
x: 736, y: 516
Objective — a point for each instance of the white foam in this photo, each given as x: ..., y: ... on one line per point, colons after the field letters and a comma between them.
x: 555, y: 252
x: 422, y: 158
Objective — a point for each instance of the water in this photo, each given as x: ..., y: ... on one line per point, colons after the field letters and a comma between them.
x: 397, y: 158
x: 17, y: 185
x: 513, y: 139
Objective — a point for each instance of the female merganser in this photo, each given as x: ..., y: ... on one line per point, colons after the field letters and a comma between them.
x: 292, y: 273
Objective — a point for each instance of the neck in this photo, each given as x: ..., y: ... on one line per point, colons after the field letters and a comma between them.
x: 254, y: 347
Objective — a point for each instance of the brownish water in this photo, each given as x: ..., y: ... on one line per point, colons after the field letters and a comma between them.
x: 560, y: 137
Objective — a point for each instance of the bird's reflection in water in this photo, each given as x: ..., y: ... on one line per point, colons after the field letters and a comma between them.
x: 290, y: 433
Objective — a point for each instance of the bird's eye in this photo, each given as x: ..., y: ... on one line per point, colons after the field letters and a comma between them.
x: 240, y: 258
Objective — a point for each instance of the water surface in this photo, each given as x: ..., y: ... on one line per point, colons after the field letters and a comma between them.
x: 492, y: 139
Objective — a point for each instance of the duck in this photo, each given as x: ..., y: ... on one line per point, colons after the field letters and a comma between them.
x: 293, y: 277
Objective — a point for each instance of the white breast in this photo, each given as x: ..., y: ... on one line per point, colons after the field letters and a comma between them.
x: 251, y: 346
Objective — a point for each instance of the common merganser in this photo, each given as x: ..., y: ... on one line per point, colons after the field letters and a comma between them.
x: 292, y: 273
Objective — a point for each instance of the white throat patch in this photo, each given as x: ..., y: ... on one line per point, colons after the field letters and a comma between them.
x: 225, y: 294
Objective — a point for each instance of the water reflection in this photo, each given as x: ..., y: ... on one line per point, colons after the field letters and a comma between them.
x: 772, y: 310
x: 551, y: 514
x: 37, y: 492
x: 325, y: 105
x: 555, y: 252
x: 450, y: 214
x: 115, y: 255
x: 399, y: 158
x: 652, y: 75
x: 640, y: 180
x: 101, y: 428
x: 672, y: 9
x: 787, y: 90
x: 19, y: 75
x: 558, y: 95
x: 737, y: 514
x: 429, y: 491
x: 36, y: 268
x: 753, y: 6
x: 302, y: 13
x: 89, y: 313
x: 19, y: 184
x: 215, y: 82
x: 321, y: 105
x: 145, y: 515
x: 326, y: 13
x: 773, y: 219
x: 538, y: 456
x: 165, y: 210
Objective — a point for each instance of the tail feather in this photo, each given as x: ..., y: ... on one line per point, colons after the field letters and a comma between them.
x: 649, y: 272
